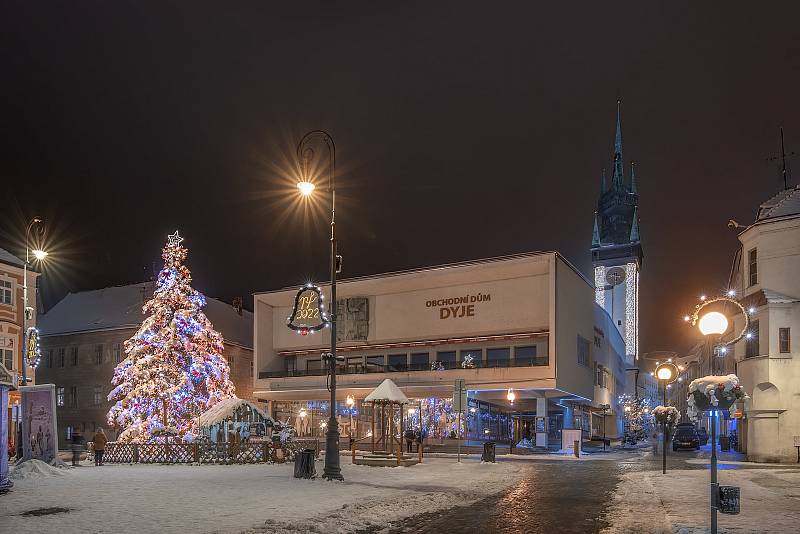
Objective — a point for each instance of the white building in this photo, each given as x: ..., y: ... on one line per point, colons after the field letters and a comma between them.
x: 765, y: 274
x: 527, y: 322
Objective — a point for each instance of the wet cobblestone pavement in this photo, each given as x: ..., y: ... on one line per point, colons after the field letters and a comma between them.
x: 556, y: 497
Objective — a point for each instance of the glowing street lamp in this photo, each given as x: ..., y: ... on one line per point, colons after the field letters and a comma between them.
x: 713, y: 323
x: 306, y: 188
x: 511, y: 396
x: 666, y: 373
x: 38, y: 255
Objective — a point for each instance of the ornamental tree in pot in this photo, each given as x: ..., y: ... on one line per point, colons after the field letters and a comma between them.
x: 668, y: 415
x: 714, y: 393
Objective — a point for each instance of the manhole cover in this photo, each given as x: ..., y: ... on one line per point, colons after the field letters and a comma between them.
x: 45, y: 511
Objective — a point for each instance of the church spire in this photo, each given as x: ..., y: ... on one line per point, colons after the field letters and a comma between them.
x: 635, y: 226
x: 618, y: 178
x: 595, y: 233
x: 634, y: 189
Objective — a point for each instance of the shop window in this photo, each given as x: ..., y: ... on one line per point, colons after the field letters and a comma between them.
x: 73, y: 356
x: 752, y: 261
x: 751, y: 344
x: 6, y: 292
x: 447, y: 359
x: 473, y: 355
x: 375, y: 364
x: 398, y: 362
x: 527, y: 355
x: 784, y: 340
x: 498, y: 357
x: 583, y: 352
x: 7, y: 352
x: 420, y: 361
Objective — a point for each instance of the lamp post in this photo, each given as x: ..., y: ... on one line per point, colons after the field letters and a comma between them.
x: 39, y: 255
x: 306, y: 187
x: 666, y: 373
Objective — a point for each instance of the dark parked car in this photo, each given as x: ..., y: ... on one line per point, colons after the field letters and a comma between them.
x: 685, y: 437
x: 702, y: 435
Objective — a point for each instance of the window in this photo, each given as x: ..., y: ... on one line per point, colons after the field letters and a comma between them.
x: 48, y: 358
x: 583, y: 352
x: 752, y: 261
x: 7, y: 352
x: 315, y: 366
x: 59, y: 396
x: 355, y: 364
x: 419, y: 361
x: 476, y: 356
x: 375, y: 364
x: 751, y: 342
x: 60, y: 357
x: 231, y: 363
x: 73, y: 397
x: 447, y: 359
x: 97, y: 398
x: 291, y: 364
x: 6, y: 292
x: 251, y: 368
x: 598, y: 374
x: 98, y: 354
x: 498, y: 357
x: 784, y: 340
x: 73, y: 356
x: 68, y: 433
x: 398, y: 362
x: 527, y: 356
x: 116, y: 353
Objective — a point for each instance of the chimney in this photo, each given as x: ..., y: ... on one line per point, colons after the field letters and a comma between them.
x: 237, y: 304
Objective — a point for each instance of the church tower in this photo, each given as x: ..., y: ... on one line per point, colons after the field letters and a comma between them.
x: 617, y: 249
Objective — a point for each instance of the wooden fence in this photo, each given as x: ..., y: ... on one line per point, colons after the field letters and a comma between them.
x: 204, y: 453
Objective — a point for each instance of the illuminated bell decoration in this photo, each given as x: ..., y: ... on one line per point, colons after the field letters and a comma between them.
x: 308, y: 314
x: 32, y: 351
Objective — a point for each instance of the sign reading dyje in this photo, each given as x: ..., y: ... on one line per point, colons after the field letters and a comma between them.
x: 308, y: 314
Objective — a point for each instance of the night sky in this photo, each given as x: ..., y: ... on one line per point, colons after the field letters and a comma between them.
x: 463, y: 129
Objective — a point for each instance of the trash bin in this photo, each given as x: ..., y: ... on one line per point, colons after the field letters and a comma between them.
x: 724, y: 443
x: 488, y: 452
x: 304, y: 464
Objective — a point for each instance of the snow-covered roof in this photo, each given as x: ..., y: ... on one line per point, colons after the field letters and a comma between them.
x: 774, y: 296
x: 224, y: 410
x: 10, y: 259
x: 784, y: 204
x: 387, y: 391
x: 118, y: 307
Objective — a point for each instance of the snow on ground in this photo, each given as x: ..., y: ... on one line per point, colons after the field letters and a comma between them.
x: 678, y: 502
x: 245, y: 498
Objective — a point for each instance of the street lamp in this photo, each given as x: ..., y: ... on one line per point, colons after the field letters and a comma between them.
x: 350, y: 403
x: 39, y: 255
x: 306, y: 187
x: 666, y: 373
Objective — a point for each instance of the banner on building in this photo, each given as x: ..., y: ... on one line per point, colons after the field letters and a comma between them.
x: 39, y: 431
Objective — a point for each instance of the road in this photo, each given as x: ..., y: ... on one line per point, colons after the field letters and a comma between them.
x: 556, y: 497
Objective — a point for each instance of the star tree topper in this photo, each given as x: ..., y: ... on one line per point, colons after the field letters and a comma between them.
x: 174, y: 239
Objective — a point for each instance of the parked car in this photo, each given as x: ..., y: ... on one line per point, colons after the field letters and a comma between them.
x: 685, y: 437
x: 702, y: 435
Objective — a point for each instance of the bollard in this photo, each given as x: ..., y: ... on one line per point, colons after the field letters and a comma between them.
x: 576, y: 448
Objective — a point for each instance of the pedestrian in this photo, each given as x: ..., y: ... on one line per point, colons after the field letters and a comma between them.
x: 77, y: 445
x: 409, y: 435
x: 100, y: 441
x: 419, y: 438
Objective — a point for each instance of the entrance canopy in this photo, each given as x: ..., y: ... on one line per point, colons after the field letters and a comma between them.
x: 387, y: 392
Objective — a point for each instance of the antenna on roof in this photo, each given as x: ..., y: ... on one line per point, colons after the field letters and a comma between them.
x: 784, y: 171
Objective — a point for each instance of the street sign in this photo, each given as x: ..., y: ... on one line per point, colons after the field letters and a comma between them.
x: 729, y: 499
x: 459, y: 396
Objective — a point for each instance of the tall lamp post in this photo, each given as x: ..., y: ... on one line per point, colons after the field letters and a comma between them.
x: 666, y: 373
x: 39, y: 255
x: 305, y: 152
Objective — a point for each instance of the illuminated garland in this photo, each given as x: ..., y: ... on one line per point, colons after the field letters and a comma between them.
x: 695, y: 316
x: 33, y: 353
x: 174, y: 369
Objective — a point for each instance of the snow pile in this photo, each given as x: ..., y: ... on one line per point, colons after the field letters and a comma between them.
x: 34, y: 469
x: 668, y: 414
x: 225, y: 409
x: 715, y: 388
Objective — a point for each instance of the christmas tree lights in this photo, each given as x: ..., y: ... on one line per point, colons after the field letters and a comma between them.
x: 174, y: 369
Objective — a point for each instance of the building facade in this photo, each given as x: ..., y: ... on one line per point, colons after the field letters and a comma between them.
x: 83, y: 340
x: 764, y: 274
x: 524, y: 324
x: 13, y: 323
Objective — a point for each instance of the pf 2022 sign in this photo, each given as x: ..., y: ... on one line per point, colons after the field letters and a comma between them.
x: 308, y: 314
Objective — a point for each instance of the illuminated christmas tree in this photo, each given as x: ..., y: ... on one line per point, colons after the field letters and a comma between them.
x: 638, y: 421
x: 174, y: 369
